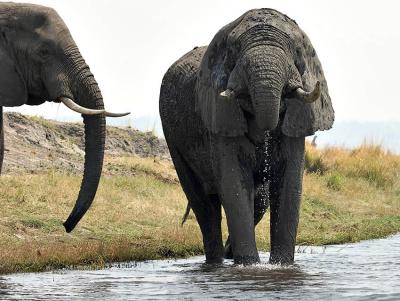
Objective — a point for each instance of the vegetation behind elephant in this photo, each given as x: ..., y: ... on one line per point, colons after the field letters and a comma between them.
x: 39, y: 61
x: 235, y: 115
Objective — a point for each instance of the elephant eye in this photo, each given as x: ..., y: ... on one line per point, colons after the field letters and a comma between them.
x: 44, y: 52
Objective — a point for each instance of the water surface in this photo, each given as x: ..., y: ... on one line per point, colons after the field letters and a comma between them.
x: 369, y: 270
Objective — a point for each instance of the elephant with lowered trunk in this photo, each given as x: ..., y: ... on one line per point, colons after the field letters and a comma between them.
x: 235, y: 115
x: 39, y: 61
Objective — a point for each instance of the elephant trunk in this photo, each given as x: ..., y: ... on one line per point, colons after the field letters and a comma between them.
x: 86, y: 93
x: 267, y: 76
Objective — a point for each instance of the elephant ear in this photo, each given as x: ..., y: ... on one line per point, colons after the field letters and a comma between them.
x: 13, y: 90
x: 220, y: 116
x: 304, y: 119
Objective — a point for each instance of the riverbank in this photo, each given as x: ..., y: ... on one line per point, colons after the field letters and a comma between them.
x: 348, y: 196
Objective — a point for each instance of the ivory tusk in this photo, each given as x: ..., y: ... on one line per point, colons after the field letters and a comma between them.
x: 309, y: 97
x: 109, y: 114
x: 228, y: 93
x: 77, y: 108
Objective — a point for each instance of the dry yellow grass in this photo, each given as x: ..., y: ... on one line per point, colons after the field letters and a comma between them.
x: 348, y: 196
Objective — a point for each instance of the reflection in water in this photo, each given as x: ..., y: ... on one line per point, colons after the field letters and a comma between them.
x: 368, y: 270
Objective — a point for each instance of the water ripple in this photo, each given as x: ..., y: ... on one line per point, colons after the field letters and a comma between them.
x: 369, y: 270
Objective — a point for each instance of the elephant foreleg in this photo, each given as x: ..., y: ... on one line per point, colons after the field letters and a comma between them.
x: 1, y: 139
x: 286, y: 186
x: 261, y: 203
x: 236, y: 190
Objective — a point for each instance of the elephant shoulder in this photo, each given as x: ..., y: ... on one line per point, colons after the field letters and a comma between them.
x: 179, y: 80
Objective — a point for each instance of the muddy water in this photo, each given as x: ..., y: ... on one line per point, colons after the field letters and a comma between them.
x: 369, y: 270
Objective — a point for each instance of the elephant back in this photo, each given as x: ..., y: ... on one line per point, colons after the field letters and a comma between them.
x: 177, y: 90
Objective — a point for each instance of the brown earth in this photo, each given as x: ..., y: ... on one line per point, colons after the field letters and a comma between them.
x: 33, y: 144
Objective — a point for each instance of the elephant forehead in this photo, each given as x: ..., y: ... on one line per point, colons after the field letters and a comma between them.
x: 54, y: 28
x: 269, y: 17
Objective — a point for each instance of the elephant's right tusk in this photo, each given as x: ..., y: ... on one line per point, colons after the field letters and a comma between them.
x: 77, y: 108
x: 227, y: 94
x: 309, y: 97
x: 109, y: 114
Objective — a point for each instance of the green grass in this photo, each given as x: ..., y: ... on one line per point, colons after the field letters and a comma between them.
x: 334, y: 181
x: 137, y: 216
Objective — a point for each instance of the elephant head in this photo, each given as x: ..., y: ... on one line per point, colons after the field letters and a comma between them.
x: 265, y: 58
x: 39, y: 61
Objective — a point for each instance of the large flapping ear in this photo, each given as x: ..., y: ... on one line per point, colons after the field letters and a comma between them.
x: 304, y: 119
x: 13, y: 90
x: 220, y: 115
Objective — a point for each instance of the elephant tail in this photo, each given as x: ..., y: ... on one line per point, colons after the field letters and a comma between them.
x: 186, y: 214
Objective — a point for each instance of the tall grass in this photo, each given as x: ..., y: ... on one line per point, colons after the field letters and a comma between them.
x: 370, y: 162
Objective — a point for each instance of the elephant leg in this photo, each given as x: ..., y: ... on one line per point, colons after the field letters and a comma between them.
x: 261, y: 198
x: 261, y: 203
x: 236, y: 190
x: 1, y: 139
x: 208, y: 215
x: 207, y: 209
x: 286, y: 186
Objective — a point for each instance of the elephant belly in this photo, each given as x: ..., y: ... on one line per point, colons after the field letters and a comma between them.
x: 198, y: 159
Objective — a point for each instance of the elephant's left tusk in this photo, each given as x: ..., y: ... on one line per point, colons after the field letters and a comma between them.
x: 309, y: 97
x: 109, y: 114
x: 227, y: 94
x: 77, y: 108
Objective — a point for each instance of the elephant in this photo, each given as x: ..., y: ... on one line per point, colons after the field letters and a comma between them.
x: 235, y: 115
x: 39, y: 61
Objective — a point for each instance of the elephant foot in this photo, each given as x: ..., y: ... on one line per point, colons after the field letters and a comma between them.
x: 214, y: 260
x: 246, y: 260
x: 228, y: 254
x: 281, y: 259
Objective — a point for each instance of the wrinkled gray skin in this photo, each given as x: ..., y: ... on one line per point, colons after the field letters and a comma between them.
x: 39, y: 61
x: 247, y: 152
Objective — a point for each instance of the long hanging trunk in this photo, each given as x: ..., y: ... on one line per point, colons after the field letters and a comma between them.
x: 87, y: 94
x: 266, y: 76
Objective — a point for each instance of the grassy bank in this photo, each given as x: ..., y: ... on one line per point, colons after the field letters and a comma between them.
x: 348, y: 196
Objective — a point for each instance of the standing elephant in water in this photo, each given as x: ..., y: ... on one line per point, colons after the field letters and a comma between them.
x: 39, y: 61
x: 235, y: 115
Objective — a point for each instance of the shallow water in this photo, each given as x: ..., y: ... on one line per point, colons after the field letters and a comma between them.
x: 369, y: 270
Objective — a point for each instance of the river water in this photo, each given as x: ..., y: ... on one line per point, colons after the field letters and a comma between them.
x: 369, y: 270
